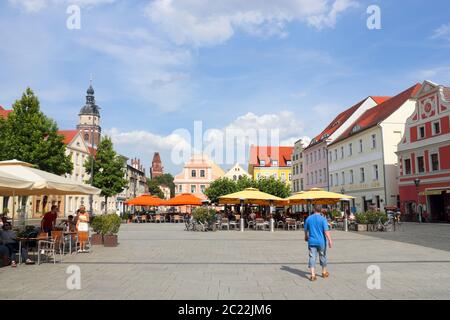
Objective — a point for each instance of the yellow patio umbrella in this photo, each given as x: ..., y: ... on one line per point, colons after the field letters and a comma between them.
x: 317, y: 196
x: 251, y: 196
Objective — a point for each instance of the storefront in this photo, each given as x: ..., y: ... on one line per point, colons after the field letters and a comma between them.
x: 438, y: 204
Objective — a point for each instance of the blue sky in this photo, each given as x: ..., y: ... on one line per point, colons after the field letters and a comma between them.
x: 160, y: 65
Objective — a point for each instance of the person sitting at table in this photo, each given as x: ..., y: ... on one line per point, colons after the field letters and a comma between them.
x: 69, y: 224
x: 83, y: 228
x: 8, y: 238
x: 49, y: 220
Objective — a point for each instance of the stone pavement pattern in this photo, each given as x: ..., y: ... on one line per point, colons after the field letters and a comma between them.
x: 162, y: 261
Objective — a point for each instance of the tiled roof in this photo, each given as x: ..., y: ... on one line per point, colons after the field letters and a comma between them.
x: 281, y: 154
x: 4, y: 113
x: 377, y: 114
x: 68, y: 135
x: 379, y: 100
x: 335, y: 124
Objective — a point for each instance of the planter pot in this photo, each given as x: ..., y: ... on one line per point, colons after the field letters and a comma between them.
x: 371, y: 227
x: 110, y: 241
x: 361, y: 227
x: 97, y: 239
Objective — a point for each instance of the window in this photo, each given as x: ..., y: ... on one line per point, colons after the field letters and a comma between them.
x: 331, y: 179
x: 202, y: 173
x: 351, y: 176
x: 288, y: 163
x: 275, y: 163
x: 180, y: 188
x: 275, y: 176
x: 374, y: 141
x: 193, y: 173
x: 361, y: 172
x: 420, y: 164
x: 421, y: 133
x: 343, y: 177
x: 307, y: 178
x: 320, y: 175
x: 262, y: 163
x: 337, y: 179
x: 375, y: 172
x: 335, y: 154
x: 360, y: 145
x: 301, y: 168
x: 436, y: 127
x: 407, y: 166
x: 324, y: 174
x: 301, y: 184
x: 350, y: 149
x: 315, y: 177
x: 290, y: 177
x: 319, y: 154
x: 315, y: 156
x: 434, y: 162
x: 193, y: 188
x: 342, y: 152
x: 283, y: 176
x: 203, y: 187
x: 331, y: 157
x: 234, y: 177
x: 324, y: 153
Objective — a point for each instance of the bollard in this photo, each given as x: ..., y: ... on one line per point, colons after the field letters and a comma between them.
x: 272, y: 225
x: 242, y: 224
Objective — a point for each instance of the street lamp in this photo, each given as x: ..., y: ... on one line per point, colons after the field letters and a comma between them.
x: 345, y: 214
x: 417, y: 183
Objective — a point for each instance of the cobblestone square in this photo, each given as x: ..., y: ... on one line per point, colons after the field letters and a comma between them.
x: 162, y: 261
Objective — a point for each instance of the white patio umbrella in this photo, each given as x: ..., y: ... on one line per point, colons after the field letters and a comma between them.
x: 24, y: 180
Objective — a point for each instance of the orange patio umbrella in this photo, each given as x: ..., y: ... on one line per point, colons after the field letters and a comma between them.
x: 184, y: 199
x: 146, y: 200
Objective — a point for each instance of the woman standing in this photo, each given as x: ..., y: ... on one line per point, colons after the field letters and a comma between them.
x: 83, y: 228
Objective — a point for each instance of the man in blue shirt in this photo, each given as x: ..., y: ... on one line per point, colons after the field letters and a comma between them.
x: 316, y: 234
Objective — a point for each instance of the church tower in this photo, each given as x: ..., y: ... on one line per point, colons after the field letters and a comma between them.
x: 157, y: 169
x: 89, y: 120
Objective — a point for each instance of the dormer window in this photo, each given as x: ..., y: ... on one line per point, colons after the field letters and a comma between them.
x: 356, y: 128
x: 262, y: 162
x: 275, y: 163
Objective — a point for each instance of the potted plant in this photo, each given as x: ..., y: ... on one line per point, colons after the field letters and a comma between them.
x: 205, y: 216
x: 110, y: 227
x: 372, y: 219
x: 96, y: 224
x: 361, y: 222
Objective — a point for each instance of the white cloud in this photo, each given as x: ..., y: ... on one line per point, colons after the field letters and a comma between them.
x: 437, y: 75
x: 37, y: 5
x: 205, y: 23
x: 443, y: 32
x: 144, y: 143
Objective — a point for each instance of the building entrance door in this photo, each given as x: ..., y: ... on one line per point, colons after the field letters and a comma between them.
x: 439, y: 207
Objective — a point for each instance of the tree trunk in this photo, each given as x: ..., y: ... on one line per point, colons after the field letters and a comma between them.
x: 106, y: 204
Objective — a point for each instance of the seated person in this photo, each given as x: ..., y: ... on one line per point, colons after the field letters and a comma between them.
x: 252, y: 216
x: 69, y: 224
x: 9, y: 239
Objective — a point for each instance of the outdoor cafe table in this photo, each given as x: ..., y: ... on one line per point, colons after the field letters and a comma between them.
x: 27, y: 240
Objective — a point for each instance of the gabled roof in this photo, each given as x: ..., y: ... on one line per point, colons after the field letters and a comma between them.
x: 379, y: 113
x: 69, y: 135
x: 335, y: 124
x: 4, y: 113
x: 281, y: 154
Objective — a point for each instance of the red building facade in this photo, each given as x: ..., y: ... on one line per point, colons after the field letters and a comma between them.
x: 424, y: 157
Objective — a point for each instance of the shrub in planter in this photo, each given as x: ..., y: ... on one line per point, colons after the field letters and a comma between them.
x: 204, y: 215
x: 96, y: 224
x: 361, y: 220
x: 110, y: 227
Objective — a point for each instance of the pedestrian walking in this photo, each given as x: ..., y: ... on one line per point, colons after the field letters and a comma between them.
x: 316, y: 234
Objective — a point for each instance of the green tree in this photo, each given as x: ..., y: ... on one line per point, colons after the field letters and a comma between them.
x: 154, y: 189
x: 28, y: 135
x: 109, y: 170
x: 166, y: 180
x: 246, y: 182
x: 220, y: 187
x: 274, y: 187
